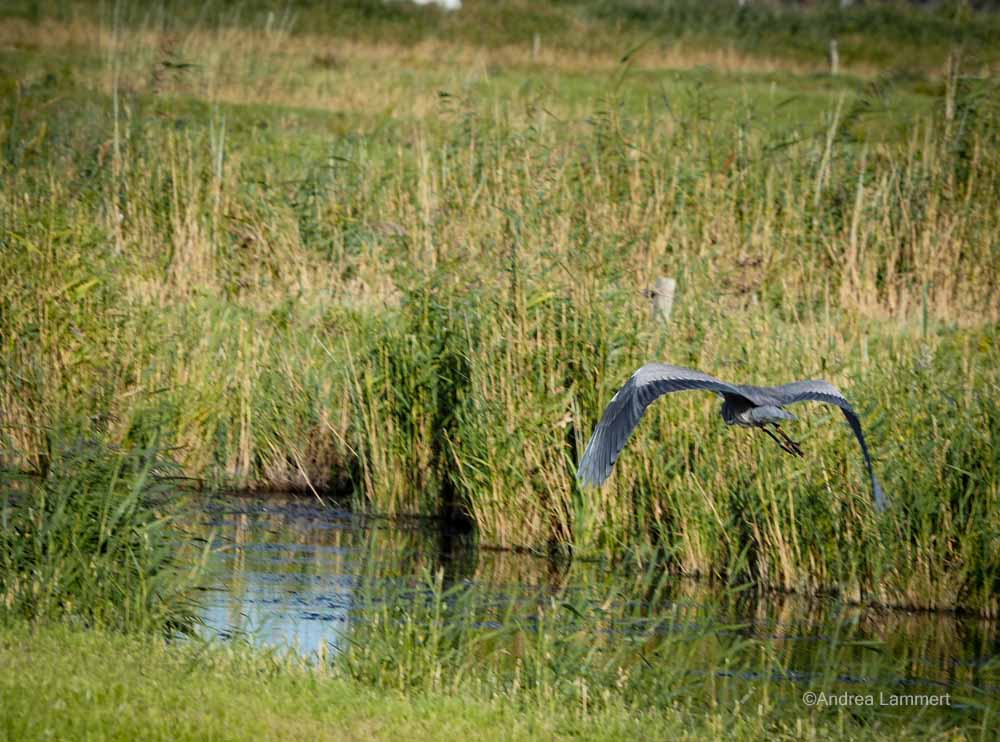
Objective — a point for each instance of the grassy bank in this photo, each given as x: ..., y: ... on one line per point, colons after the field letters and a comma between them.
x: 97, y: 643
x: 317, y: 261
x: 102, y: 686
x: 491, y: 654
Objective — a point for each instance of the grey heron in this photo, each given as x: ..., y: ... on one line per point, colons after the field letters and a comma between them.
x: 749, y: 406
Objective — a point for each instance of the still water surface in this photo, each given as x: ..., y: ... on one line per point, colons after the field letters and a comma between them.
x: 290, y: 571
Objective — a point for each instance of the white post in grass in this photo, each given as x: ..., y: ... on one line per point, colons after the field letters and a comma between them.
x: 951, y: 86
x: 536, y: 46
x: 834, y: 57
x: 662, y: 295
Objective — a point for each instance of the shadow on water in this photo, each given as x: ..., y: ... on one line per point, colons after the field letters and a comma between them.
x: 292, y: 572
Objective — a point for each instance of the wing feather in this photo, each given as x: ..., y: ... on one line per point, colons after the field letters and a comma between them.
x: 824, y: 391
x: 627, y: 407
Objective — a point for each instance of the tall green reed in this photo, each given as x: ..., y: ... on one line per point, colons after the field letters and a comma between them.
x: 431, y: 312
x: 633, y: 640
x: 91, y: 542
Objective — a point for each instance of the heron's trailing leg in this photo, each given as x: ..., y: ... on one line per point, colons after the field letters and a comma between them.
x: 787, y: 444
x: 793, y: 446
x: 775, y: 438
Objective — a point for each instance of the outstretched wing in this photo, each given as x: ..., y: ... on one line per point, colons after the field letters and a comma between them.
x: 627, y: 407
x: 823, y: 391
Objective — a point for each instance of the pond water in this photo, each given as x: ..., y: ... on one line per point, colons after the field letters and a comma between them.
x: 291, y: 571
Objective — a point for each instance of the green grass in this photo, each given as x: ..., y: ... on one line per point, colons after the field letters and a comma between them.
x: 89, y: 543
x: 386, y: 251
x: 632, y: 636
x: 883, y: 34
x: 101, y: 686
x: 413, y: 273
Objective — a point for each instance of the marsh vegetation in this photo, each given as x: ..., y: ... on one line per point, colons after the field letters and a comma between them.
x: 388, y: 254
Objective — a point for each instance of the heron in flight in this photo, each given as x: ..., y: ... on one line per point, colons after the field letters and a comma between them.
x: 750, y: 406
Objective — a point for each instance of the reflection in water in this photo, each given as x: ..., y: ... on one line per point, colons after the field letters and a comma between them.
x: 292, y: 572
x: 287, y: 569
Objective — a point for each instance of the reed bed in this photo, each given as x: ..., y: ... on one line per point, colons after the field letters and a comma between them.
x: 598, y: 648
x: 91, y: 545
x: 421, y: 284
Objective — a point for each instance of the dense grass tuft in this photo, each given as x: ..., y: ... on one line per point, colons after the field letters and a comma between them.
x: 89, y: 544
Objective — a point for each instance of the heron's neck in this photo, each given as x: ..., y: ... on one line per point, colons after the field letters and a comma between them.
x: 732, y: 408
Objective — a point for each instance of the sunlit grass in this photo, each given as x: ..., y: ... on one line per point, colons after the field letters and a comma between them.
x: 88, y: 543
x: 424, y: 671
x: 596, y: 646
x: 418, y: 279
x: 421, y: 658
